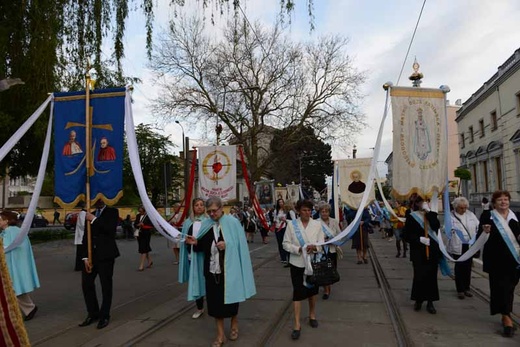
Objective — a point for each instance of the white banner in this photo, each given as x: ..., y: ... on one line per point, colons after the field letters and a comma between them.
x: 218, y: 172
x: 354, y: 181
x: 420, y: 141
x: 293, y: 193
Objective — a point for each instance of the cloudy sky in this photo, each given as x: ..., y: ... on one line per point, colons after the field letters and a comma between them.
x: 458, y: 43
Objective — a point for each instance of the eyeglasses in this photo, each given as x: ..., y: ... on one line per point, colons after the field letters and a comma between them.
x: 214, y: 211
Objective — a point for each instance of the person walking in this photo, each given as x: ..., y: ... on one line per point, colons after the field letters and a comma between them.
x: 463, y: 232
x: 330, y: 228
x: 501, y: 258
x: 144, y: 226
x: 79, y: 231
x: 280, y: 225
x: 397, y: 225
x: 192, y: 227
x: 424, y: 253
x: 228, y: 272
x: 300, y: 232
x: 56, y: 217
x: 104, y: 252
x: 20, y: 264
x: 360, y: 238
x: 128, y: 229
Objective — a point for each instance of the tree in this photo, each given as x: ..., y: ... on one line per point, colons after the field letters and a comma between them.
x: 252, y: 80
x: 311, y: 162
x: 154, y: 154
x: 462, y: 174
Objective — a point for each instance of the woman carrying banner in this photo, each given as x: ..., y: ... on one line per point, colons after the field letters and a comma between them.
x: 20, y: 263
x: 463, y: 231
x: 192, y: 227
x: 501, y: 257
x: 144, y: 226
x: 330, y: 228
x: 424, y: 252
x: 300, y: 232
x: 228, y: 273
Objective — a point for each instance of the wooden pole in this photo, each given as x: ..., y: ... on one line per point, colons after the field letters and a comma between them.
x: 361, y: 236
x: 88, y: 155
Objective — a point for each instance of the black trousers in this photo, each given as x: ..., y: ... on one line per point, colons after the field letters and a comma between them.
x: 462, y: 271
x: 424, y: 286
x: 105, y: 270
x: 502, y: 291
x: 284, y: 255
x: 200, y: 303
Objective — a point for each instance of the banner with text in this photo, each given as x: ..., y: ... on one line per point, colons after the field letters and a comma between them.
x: 420, y: 141
x: 218, y: 172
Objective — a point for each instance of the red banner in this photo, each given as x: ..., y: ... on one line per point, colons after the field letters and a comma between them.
x: 189, y: 192
x: 252, y: 196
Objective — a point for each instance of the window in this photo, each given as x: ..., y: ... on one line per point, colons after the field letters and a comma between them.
x: 474, y: 178
x: 493, y: 121
x: 462, y: 143
x: 486, y: 179
x: 518, y: 104
x: 471, y: 135
x: 481, y: 127
x: 498, y: 167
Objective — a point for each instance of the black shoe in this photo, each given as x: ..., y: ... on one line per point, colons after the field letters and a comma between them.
x: 325, y: 297
x: 468, y: 294
x: 508, y: 332
x: 295, y: 335
x: 31, y: 314
x: 430, y: 308
x: 313, y: 323
x: 417, y: 306
x: 398, y: 255
x: 404, y: 255
x: 103, y: 323
x: 89, y: 320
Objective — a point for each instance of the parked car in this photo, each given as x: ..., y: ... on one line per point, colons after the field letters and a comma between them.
x: 70, y: 220
x: 39, y: 221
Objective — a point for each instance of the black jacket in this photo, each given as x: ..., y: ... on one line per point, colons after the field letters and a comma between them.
x: 412, y: 232
x: 103, y: 230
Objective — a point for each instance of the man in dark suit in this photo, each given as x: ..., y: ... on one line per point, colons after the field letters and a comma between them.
x: 104, y: 251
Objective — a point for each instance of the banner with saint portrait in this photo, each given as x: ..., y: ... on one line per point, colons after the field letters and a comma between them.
x: 293, y: 193
x: 280, y: 193
x: 218, y: 172
x: 353, y: 184
x: 265, y: 193
x: 419, y: 141
x: 107, y: 110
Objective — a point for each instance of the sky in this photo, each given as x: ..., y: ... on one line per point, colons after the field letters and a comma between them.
x: 458, y: 43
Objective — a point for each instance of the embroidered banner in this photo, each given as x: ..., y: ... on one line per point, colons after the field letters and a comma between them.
x: 280, y: 193
x: 354, y: 174
x: 218, y: 172
x: 420, y: 141
x: 107, y: 108
x: 265, y: 193
x: 293, y: 193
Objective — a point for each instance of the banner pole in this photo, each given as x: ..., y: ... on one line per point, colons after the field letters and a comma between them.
x: 88, y: 154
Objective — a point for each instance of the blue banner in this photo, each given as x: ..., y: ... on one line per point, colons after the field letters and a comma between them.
x: 107, y: 108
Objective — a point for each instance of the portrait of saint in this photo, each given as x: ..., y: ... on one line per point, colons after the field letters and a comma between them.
x: 106, y: 152
x: 422, y: 144
x: 357, y: 186
x: 265, y: 196
x: 72, y: 147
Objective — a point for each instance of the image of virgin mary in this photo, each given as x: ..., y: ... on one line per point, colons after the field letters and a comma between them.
x: 422, y: 146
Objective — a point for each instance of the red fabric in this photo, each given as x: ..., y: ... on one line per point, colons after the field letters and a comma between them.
x: 6, y: 314
x: 189, y: 192
x: 252, y: 196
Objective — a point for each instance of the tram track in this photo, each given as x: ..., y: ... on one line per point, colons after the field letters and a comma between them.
x: 402, y: 336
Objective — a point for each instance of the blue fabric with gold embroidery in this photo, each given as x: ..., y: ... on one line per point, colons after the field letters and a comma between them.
x: 106, y: 178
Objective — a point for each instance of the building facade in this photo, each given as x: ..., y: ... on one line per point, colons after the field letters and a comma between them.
x: 489, y: 135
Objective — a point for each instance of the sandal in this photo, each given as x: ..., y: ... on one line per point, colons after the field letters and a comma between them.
x: 218, y: 343
x: 233, y: 335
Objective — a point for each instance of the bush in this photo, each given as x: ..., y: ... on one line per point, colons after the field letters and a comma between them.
x: 49, y: 235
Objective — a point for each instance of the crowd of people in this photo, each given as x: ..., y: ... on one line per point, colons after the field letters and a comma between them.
x: 214, y: 254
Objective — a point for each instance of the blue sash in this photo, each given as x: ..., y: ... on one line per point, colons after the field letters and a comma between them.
x: 298, y: 233
x: 443, y: 263
x: 499, y: 222
x: 460, y: 234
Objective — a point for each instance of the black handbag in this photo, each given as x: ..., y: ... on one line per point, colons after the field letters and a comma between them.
x: 323, y: 272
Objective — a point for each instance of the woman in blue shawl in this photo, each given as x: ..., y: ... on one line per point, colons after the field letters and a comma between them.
x: 228, y: 272
x: 20, y: 263
x: 192, y: 226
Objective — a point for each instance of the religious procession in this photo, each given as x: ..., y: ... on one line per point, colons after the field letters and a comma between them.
x: 277, y: 222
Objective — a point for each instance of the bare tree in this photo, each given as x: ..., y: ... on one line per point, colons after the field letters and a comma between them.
x: 254, y: 80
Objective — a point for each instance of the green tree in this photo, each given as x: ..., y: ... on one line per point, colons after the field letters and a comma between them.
x: 300, y: 155
x: 154, y: 154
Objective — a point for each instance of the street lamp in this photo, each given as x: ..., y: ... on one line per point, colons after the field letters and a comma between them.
x: 183, y: 149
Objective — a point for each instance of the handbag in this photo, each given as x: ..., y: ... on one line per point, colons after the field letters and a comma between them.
x: 323, y: 272
x: 136, y: 232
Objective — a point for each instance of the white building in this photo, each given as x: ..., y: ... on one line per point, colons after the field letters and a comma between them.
x: 489, y: 135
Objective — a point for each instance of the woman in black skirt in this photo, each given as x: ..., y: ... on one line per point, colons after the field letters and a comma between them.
x: 307, y: 231
x: 144, y: 225
x: 498, y: 260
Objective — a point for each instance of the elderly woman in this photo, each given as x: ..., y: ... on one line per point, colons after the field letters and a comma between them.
x: 192, y: 227
x: 20, y: 263
x: 330, y: 228
x: 300, y: 232
x: 463, y: 232
x: 228, y: 272
x: 425, y: 254
x: 501, y: 257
